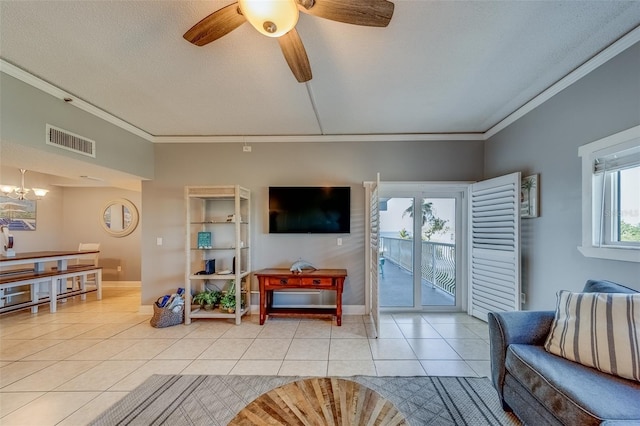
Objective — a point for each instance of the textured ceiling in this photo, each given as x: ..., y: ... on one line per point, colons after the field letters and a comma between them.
x: 439, y: 67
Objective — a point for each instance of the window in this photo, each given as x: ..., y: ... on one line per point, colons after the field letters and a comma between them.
x: 611, y: 197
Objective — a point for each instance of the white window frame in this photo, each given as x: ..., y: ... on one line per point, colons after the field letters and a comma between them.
x: 591, y: 207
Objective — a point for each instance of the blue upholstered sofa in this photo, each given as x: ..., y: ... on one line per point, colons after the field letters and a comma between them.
x: 545, y: 389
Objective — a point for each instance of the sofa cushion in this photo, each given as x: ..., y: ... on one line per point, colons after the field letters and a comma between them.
x: 576, y: 394
x: 600, y: 330
x: 604, y: 286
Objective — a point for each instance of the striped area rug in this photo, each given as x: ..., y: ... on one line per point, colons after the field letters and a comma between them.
x: 216, y: 400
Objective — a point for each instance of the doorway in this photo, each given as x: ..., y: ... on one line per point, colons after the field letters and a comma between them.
x: 420, y: 260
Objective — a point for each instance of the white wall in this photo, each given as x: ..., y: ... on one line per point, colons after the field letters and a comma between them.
x: 546, y: 141
x: 82, y: 210
x: 48, y: 233
x: 66, y: 217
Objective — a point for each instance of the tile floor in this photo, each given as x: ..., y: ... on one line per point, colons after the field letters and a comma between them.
x: 65, y: 368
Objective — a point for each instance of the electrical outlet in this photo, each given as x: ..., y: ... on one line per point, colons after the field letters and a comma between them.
x: 246, y: 148
x: 119, y: 268
x: 339, y: 241
x: 159, y: 241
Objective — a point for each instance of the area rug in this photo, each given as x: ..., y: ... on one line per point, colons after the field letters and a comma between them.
x: 218, y: 400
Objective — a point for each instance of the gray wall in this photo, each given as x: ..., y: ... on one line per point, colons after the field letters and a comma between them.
x: 26, y: 111
x: 546, y: 141
x: 281, y: 164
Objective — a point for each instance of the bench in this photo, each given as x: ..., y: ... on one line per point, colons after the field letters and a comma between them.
x: 51, y: 279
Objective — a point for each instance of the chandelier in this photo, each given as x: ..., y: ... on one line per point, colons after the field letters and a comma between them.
x: 21, y: 193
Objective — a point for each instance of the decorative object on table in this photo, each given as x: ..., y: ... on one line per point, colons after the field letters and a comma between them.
x: 18, y: 215
x: 204, y: 240
x: 300, y: 264
x: 168, y: 310
x: 529, y: 205
x: 7, y: 242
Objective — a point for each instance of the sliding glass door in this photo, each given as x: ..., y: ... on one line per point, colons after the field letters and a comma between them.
x: 419, y: 259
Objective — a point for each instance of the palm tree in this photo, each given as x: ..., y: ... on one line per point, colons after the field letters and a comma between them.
x: 427, y: 212
x: 435, y: 224
x: 528, y: 184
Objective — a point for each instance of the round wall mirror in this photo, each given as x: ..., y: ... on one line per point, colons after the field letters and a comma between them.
x: 119, y: 217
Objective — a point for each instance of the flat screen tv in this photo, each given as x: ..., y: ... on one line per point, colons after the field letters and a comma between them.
x: 309, y: 210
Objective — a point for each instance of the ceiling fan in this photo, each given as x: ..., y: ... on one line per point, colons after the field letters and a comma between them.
x: 278, y: 18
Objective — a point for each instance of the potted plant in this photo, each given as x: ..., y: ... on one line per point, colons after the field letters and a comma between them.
x: 207, y: 299
x: 228, y: 301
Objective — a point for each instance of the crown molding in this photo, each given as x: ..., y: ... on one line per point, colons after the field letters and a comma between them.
x: 398, y: 137
x: 22, y: 75
x: 614, y: 49
x: 602, y: 57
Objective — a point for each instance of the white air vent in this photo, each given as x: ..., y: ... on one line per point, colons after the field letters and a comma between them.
x: 70, y: 141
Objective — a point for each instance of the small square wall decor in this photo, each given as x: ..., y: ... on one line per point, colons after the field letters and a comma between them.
x: 529, y: 197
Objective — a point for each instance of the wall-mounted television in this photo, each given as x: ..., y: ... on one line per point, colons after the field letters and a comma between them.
x: 309, y: 209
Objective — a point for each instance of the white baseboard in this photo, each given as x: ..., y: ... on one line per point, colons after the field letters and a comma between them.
x: 346, y: 309
x: 255, y: 309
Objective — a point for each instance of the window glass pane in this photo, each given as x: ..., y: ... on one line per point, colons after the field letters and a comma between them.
x: 629, y: 205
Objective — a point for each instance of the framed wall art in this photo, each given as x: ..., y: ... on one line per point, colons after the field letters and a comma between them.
x: 20, y: 215
x: 529, y: 197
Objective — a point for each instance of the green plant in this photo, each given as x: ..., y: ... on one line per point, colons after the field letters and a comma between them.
x: 228, y: 301
x: 207, y: 297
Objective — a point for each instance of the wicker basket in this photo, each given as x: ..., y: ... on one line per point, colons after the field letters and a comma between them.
x: 165, y: 317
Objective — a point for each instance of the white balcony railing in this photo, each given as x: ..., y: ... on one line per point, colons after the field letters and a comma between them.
x: 438, y: 260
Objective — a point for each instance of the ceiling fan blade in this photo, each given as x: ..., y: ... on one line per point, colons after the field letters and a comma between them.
x: 218, y: 24
x: 296, y: 55
x: 370, y: 13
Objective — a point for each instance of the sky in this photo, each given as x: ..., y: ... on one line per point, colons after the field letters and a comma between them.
x: 392, y: 221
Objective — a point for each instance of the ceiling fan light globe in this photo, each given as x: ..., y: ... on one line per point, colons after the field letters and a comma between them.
x: 272, y: 18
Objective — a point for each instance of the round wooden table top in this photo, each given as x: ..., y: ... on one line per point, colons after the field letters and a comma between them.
x: 320, y: 401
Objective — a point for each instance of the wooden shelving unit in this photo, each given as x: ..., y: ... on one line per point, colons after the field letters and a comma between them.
x: 224, y: 211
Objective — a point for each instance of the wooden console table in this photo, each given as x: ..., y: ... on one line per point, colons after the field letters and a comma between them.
x: 282, y: 279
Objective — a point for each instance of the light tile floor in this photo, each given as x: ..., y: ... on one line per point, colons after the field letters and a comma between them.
x: 65, y: 368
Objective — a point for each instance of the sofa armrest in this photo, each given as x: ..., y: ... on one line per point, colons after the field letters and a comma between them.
x: 506, y: 328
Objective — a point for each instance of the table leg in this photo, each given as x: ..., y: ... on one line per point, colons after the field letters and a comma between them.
x: 339, y: 303
x: 99, y: 284
x: 53, y: 295
x: 34, y: 297
x: 263, y: 306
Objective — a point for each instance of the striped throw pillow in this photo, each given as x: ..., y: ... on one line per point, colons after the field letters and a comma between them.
x: 599, y: 330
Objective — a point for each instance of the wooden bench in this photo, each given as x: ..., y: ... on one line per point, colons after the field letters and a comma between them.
x: 51, y: 278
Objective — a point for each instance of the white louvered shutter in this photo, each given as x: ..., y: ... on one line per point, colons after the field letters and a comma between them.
x: 374, y: 247
x: 495, y: 246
